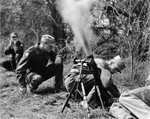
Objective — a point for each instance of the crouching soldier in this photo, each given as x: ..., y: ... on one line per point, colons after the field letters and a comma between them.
x: 15, y: 50
x: 106, y: 69
x: 39, y: 63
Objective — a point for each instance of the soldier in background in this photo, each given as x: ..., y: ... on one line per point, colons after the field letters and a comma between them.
x: 39, y: 63
x: 15, y: 50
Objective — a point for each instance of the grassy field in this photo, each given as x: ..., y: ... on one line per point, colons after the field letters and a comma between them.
x: 45, y: 104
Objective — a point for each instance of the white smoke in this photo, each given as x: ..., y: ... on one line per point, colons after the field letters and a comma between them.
x: 77, y: 13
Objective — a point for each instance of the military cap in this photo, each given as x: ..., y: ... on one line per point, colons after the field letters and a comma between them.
x: 14, y: 34
x: 118, y: 62
x: 49, y: 38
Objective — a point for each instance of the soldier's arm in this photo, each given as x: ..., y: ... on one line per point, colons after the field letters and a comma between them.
x: 7, y: 51
x: 23, y: 66
x: 58, y: 53
x: 19, y: 49
x: 9, y: 48
x: 55, y: 53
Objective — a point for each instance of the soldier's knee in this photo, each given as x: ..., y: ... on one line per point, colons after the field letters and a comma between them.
x: 69, y: 81
x: 36, y: 78
x: 68, y: 84
x: 33, y: 77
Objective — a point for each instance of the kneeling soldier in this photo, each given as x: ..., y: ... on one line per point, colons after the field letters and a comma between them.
x: 39, y: 63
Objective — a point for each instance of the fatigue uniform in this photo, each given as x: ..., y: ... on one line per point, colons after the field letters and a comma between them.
x: 15, y: 51
x: 105, y: 77
x: 37, y: 66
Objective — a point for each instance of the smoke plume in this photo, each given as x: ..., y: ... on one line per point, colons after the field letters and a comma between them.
x: 76, y: 13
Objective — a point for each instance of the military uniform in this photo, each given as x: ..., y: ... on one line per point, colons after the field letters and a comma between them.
x: 37, y: 66
x: 88, y: 81
x: 15, y: 51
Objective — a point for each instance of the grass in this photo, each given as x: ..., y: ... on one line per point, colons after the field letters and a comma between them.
x: 44, y: 105
x: 47, y: 105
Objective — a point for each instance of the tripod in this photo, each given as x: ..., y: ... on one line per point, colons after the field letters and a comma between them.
x: 79, y: 81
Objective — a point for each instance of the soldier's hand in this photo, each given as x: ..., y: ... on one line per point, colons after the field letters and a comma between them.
x: 89, y: 60
x: 11, y: 42
x: 58, y: 60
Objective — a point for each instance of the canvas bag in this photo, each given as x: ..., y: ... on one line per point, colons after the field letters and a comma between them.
x: 120, y: 112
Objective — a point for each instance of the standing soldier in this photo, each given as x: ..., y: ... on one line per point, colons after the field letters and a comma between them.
x: 39, y: 63
x: 15, y: 50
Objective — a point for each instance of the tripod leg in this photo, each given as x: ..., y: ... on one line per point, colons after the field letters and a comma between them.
x: 98, y: 84
x: 99, y: 95
x: 77, y: 90
x: 85, y: 99
x: 66, y: 102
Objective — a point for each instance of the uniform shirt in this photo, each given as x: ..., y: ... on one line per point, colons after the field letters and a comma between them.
x: 10, y: 51
x: 14, y: 49
x: 105, y: 75
x: 34, y: 60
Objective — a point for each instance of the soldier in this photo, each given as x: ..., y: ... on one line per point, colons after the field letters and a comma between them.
x: 107, y: 68
x: 15, y: 50
x: 39, y: 63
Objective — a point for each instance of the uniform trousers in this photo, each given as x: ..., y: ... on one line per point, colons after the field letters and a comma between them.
x: 37, y: 77
x: 89, y: 82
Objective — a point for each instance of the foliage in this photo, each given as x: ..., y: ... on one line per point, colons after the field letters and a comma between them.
x: 128, y: 30
x: 127, y: 33
x: 31, y: 19
x: 121, y: 27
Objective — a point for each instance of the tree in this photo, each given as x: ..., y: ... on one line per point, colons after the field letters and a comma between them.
x: 32, y: 18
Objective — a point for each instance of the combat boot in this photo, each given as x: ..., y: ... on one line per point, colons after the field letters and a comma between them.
x: 23, y: 90
x: 32, y: 89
